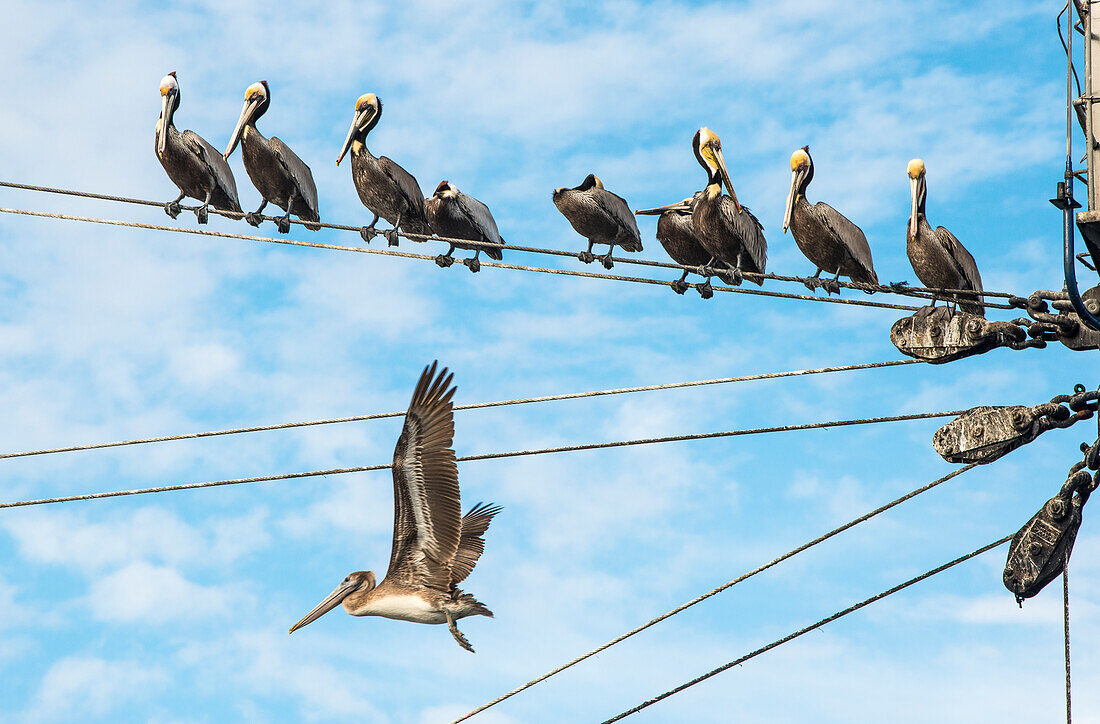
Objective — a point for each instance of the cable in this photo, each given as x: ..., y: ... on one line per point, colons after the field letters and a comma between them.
x: 427, y: 257
x: 714, y: 591
x: 811, y: 627
x: 900, y: 289
x: 473, y: 406
x: 494, y: 456
x: 1065, y: 623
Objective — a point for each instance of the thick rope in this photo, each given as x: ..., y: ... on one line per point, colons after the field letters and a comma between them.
x: 489, y: 456
x: 428, y: 257
x: 807, y: 629
x: 473, y: 406
x: 714, y: 591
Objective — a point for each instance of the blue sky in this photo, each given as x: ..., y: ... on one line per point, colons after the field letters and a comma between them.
x: 174, y: 608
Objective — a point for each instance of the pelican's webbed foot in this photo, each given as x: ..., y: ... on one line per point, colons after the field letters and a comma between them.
x: 201, y: 214
x: 254, y: 218
x: 831, y: 286
x: 679, y: 286
x: 369, y: 232
x: 445, y: 260
x: 172, y: 208
x: 587, y: 256
x: 606, y: 259
x: 391, y: 236
x: 473, y: 263
x: 457, y: 634
x: 706, y: 291
x: 283, y: 223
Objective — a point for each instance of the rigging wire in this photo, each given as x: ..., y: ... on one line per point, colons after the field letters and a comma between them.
x: 1065, y: 624
x: 899, y: 289
x: 472, y: 406
x: 807, y: 629
x: 492, y: 456
x: 428, y: 257
x: 728, y: 584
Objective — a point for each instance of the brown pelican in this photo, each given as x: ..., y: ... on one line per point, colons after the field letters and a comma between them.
x: 434, y: 548
x: 385, y: 188
x: 453, y: 214
x: 676, y: 233
x: 823, y: 234
x: 938, y: 258
x: 728, y: 230
x: 600, y: 216
x: 277, y: 173
x: 193, y: 165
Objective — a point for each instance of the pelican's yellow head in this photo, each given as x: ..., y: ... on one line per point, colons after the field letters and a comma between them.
x: 800, y: 159
x: 915, y: 168
x: 599, y: 183
x: 365, y: 100
x: 708, y: 151
x: 256, y: 90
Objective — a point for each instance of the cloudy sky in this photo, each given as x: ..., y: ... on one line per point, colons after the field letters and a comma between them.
x: 174, y: 607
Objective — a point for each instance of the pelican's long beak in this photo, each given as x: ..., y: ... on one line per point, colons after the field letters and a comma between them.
x: 726, y: 177
x: 678, y: 206
x: 914, y: 192
x: 796, y: 180
x: 331, y: 601
x: 165, y: 119
x: 360, y: 121
x: 246, y: 113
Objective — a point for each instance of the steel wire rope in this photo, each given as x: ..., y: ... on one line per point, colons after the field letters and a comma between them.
x: 491, y: 456
x: 714, y: 591
x: 471, y: 406
x: 811, y: 627
x: 899, y: 289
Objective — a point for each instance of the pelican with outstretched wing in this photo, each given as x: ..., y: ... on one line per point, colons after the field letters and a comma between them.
x: 434, y: 547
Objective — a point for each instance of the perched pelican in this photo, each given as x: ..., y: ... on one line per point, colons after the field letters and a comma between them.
x: 385, y: 188
x: 676, y: 233
x: 453, y: 214
x: 728, y: 230
x: 600, y: 216
x: 434, y: 548
x: 938, y: 258
x: 823, y: 234
x: 277, y: 173
x: 193, y: 165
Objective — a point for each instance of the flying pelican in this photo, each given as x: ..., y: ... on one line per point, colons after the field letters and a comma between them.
x: 676, y: 233
x: 277, y: 173
x: 938, y: 258
x: 823, y: 234
x: 193, y: 165
x: 385, y: 188
x: 453, y: 214
x: 433, y: 548
x: 728, y: 230
x: 600, y: 216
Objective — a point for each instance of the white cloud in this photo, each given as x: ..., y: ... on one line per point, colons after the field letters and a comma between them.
x: 143, y: 593
x: 88, y: 686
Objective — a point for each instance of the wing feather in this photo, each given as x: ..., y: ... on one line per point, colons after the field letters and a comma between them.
x: 966, y: 265
x: 298, y: 171
x: 848, y: 234
x: 405, y: 183
x: 217, y: 166
x: 749, y: 229
x: 479, y: 215
x: 615, y: 206
x: 427, y: 508
x: 472, y: 542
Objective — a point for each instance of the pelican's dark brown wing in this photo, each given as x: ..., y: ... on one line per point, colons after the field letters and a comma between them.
x: 472, y: 542
x: 297, y: 169
x: 615, y: 206
x: 850, y: 236
x: 968, y: 269
x: 427, y: 521
x: 407, y: 186
x: 225, y: 192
